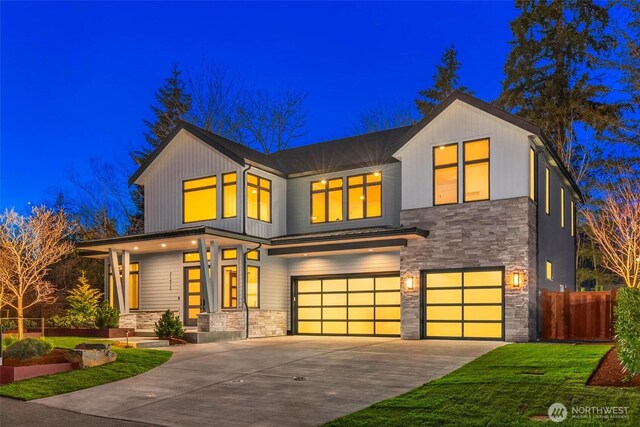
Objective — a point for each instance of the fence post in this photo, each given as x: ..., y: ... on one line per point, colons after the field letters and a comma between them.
x: 567, y: 315
x: 42, y: 327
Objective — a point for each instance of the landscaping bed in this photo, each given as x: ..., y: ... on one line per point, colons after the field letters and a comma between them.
x: 89, y: 332
x: 16, y: 370
x: 609, y: 373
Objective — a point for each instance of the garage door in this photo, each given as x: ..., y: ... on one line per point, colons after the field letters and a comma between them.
x: 464, y: 304
x: 348, y: 305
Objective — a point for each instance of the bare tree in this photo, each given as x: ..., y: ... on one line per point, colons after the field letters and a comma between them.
x: 28, y: 248
x: 615, y: 227
x: 383, y: 117
x: 269, y: 122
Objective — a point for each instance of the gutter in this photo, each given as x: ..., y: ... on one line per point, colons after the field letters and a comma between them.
x: 244, y: 258
x: 245, y: 285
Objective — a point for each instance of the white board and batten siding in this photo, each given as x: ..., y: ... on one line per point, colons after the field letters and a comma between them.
x: 186, y: 157
x: 299, y: 196
x: 509, y: 154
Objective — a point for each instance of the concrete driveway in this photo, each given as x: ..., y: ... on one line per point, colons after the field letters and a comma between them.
x: 252, y: 382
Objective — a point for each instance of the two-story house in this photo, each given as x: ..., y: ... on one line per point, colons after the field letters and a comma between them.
x: 449, y: 228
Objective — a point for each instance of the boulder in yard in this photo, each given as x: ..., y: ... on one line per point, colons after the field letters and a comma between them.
x: 88, y: 358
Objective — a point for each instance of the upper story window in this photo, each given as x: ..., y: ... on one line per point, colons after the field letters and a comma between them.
x: 532, y: 174
x: 365, y: 196
x: 326, y: 201
x: 562, y: 207
x: 445, y: 174
x: 199, y: 199
x: 547, y: 202
x: 258, y: 198
x: 476, y: 170
x: 549, y: 270
x: 229, y: 195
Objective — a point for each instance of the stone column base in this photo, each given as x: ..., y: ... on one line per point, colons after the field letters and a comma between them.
x: 128, y: 321
x: 262, y: 323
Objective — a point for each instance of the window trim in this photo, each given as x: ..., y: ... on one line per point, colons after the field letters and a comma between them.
x: 473, y: 162
x: 448, y: 165
x: 224, y: 185
x: 256, y: 251
x: 326, y: 192
x: 223, y: 257
x: 562, y: 209
x: 548, y: 264
x: 547, y: 189
x: 259, y: 189
x: 257, y: 267
x: 364, y: 186
x: 184, y: 256
x: 215, y: 187
x: 222, y: 293
x: 533, y: 174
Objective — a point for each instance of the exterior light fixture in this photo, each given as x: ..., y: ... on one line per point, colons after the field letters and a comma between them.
x: 164, y: 245
x: 135, y: 248
x: 376, y: 174
x: 516, y: 279
x: 409, y: 282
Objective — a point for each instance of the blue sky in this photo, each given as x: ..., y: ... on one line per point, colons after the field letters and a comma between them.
x: 77, y: 78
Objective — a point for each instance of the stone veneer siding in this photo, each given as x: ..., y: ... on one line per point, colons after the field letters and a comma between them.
x: 262, y: 323
x: 494, y: 233
x: 141, y: 319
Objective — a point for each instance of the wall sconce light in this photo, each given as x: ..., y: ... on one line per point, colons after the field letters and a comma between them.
x: 516, y: 279
x: 409, y: 282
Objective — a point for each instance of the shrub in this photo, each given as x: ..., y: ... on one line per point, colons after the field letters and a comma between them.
x: 72, y: 321
x: 627, y: 327
x: 169, y: 326
x: 28, y: 348
x: 107, y: 316
x: 8, y: 325
x: 8, y: 340
x: 83, y: 300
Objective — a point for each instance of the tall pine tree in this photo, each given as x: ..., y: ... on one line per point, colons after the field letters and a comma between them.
x: 551, y: 71
x: 172, y: 102
x: 445, y: 81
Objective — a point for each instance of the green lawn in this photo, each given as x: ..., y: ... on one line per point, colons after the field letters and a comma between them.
x: 506, y: 386
x: 130, y: 362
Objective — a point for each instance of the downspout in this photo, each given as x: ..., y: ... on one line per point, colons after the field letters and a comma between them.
x: 244, y: 258
x: 244, y: 284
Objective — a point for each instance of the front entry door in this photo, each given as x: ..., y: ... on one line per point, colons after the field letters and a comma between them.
x: 192, y: 295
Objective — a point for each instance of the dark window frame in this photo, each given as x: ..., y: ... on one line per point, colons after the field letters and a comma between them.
x: 326, y: 192
x: 257, y: 267
x: 225, y: 250
x: 445, y: 166
x: 131, y: 272
x: 259, y: 190
x: 533, y: 174
x: 222, y: 302
x: 229, y: 184
x: 364, y: 187
x: 563, y: 211
x: 215, y: 187
x: 184, y: 256
x: 547, y: 189
x: 486, y: 160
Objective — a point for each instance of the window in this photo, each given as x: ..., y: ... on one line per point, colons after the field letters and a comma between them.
x: 134, y: 286
x: 258, y: 198
x: 253, y: 286
x: 229, y: 195
x: 476, y: 170
x: 445, y: 174
x: 254, y: 255
x: 199, y: 199
x: 229, y: 287
x: 326, y: 201
x: 194, y: 256
x: 532, y: 174
x: 547, y: 205
x: 562, y: 207
x: 573, y: 219
x: 229, y: 254
x: 365, y: 196
x: 549, y: 270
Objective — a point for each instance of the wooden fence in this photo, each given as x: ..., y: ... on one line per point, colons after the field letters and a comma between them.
x: 584, y: 316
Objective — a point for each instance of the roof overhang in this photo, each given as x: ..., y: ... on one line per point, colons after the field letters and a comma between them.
x: 165, y: 241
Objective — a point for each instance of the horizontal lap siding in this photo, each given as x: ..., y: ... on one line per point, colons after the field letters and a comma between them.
x: 274, y: 284
x: 161, y: 281
x: 345, y: 264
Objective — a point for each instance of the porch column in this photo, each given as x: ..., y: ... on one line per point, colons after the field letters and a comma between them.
x: 213, y: 295
x: 126, y: 267
x: 205, y: 275
x: 117, y: 283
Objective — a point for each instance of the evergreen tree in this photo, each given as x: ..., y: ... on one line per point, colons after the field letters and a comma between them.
x: 550, y: 74
x: 173, y: 102
x: 445, y: 81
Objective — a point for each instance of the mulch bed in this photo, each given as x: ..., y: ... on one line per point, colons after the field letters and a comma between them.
x: 56, y: 356
x: 609, y: 373
x: 177, y: 341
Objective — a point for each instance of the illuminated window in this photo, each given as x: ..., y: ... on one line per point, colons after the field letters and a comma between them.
x: 229, y: 287
x: 253, y: 286
x: 258, y: 198
x: 134, y: 286
x: 562, y: 207
x: 199, y: 199
x: 445, y: 174
x: 254, y: 255
x: 229, y: 195
x: 194, y: 256
x: 229, y: 253
x: 476, y: 170
x: 326, y: 201
x: 532, y: 174
x: 365, y: 196
x: 547, y: 205
x: 549, y: 270
x: 573, y: 219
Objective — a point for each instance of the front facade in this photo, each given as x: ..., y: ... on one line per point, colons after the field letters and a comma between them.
x: 446, y: 229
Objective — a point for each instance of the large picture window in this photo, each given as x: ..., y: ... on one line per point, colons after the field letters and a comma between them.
x: 199, y: 199
x: 253, y: 286
x: 326, y: 201
x: 445, y: 174
x: 229, y: 195
x: 258, y: 198
x: 134, y: 286
x: 476, y: 170
x: 365, y: 196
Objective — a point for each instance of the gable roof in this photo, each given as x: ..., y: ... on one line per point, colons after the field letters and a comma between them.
x: 370, y: 149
